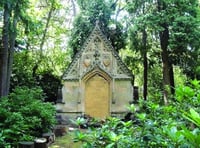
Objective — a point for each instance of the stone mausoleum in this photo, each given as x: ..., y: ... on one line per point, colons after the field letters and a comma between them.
x: 96, y: 83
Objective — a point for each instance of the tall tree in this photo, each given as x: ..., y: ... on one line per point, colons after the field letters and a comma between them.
x: 52, y: 7
x: 4, y: 50
x: 175, y: 24
x: 138, y: 35
x: 164, y: 43
x: 41, y: 46
x: 13, y: 10
x: 185, y: 36
x: 90, y: 12
x: 46, y: 33
x: 177, y: 35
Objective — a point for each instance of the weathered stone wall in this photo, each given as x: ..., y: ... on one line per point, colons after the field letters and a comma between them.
x: 122, y: 96
x: 71, y: 97
x: 74, y: 98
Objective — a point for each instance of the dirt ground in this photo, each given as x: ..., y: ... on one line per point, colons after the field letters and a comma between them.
x: 66, y: 140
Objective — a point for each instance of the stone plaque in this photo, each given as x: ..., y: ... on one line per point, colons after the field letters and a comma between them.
x: 97, y: 97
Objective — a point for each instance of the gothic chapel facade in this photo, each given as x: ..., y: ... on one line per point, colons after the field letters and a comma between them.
x: 97, y: 83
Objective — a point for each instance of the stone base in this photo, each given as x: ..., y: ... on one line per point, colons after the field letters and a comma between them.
x: 66, y: 118
x: 119, y: 115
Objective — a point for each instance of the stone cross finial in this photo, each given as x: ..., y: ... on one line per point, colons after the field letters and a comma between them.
x: 96, y: 55
x: 97, y: 23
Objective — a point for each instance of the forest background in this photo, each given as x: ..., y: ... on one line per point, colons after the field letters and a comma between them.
x: 157, y: 39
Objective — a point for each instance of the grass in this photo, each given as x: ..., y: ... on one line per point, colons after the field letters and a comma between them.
x: 66, y: 141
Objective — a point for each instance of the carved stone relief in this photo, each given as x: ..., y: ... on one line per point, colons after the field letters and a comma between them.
x: 98, y: 52
x: 87, y: 61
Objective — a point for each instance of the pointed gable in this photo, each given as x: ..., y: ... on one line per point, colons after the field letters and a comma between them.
x: 97, y: 53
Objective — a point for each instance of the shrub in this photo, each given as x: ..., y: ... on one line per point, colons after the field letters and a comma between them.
x: 24, y: 115
x: 174, y: 125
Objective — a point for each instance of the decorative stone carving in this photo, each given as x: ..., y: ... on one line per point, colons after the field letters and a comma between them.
x: 106, y: 61
x: 87, y: 62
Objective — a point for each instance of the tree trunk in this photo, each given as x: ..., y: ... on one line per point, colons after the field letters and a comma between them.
x: 73, y: 7
x: 4, y: 53
x: 164, y: 42
x: 145, y: 64
x: 46, y: 28
x: 168, y: 76
x: 35, y: 67
x: 166, y: 68
x: 13, y: 35
x: 171, y: 74
x: 145, y: 60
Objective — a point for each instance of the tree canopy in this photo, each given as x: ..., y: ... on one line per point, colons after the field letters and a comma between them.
x: 159, y: 41
x: 154, y: 38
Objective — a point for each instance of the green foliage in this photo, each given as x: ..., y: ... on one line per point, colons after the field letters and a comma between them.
x: 80, y: 121
x: 28, y: 64
x: 19, y: 77
x: 45, y: 78
x: 92, y: 11
x: 182, y: 22
x: 114, y: 133
x: 49, y: 84
x: 24, y: 115
x: 3, y: 143
x: 79, y: 33
x: 190, y: 94
x: 193, y: 116
x: 154, y: 125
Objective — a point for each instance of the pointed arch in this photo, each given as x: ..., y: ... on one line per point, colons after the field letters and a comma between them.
x: 96, y: 71
x: 97, y: 98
